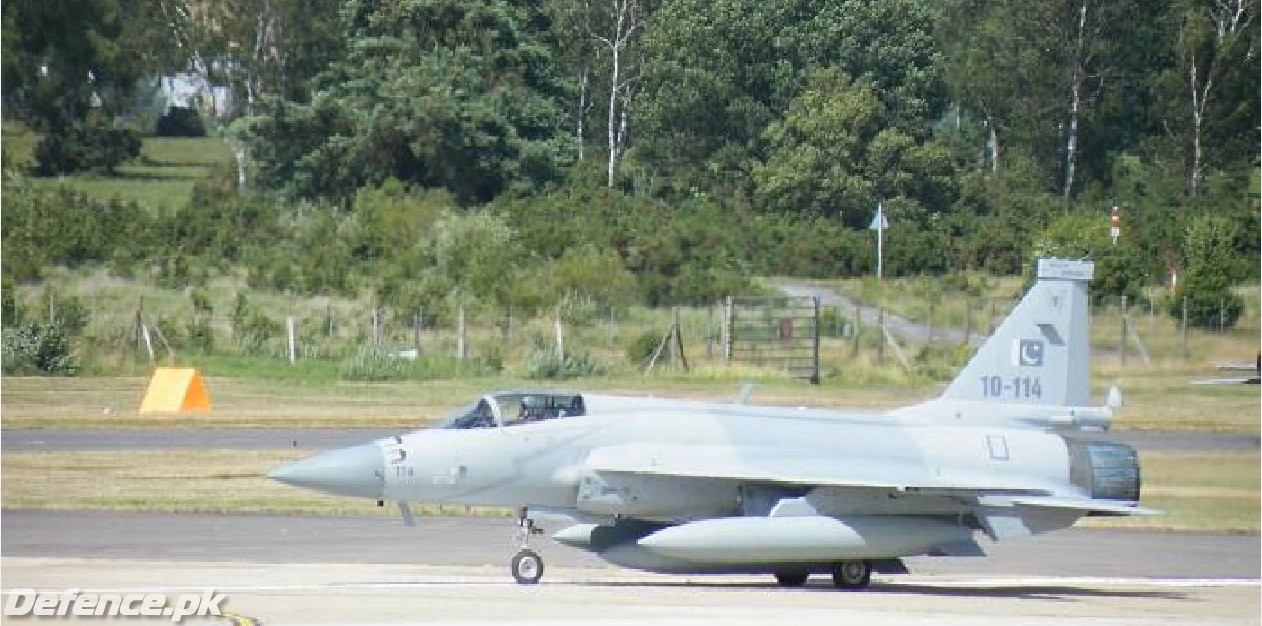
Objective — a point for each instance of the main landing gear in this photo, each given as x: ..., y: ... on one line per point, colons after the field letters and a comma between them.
x: 527, y: 565
x: 848, y: 575
x: 852, y: 575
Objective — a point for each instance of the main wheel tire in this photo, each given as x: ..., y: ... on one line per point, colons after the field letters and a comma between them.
x: 791, y: 577
x: 852, y: 574
x: 527, y: 567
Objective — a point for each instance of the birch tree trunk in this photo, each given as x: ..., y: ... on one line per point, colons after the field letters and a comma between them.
x: 1075, y: 103
x: 614, y: 86
x: 1226, y: 21
x: 625, y: 20
x: 582, y: 110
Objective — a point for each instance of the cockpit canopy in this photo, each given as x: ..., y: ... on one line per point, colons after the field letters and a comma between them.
x: 513, y: 407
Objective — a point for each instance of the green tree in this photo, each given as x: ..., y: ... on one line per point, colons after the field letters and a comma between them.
x: 1217, y: 70
x: 717, y: 74
x: 837, y: 153
x: 1083, y: 235
x: 435, y: 93
x: 69, y: 69
x: 1206, y: 278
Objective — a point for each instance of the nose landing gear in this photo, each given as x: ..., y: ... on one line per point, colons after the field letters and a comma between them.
x: 527, y: 565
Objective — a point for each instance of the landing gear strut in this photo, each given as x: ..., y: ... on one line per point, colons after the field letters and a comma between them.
x: 852, y: 574
x: 527, y: 565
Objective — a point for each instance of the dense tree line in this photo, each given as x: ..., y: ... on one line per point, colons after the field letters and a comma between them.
x: 685, y: 144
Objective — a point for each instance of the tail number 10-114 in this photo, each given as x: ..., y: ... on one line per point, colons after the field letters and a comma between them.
x: 1015, y: 387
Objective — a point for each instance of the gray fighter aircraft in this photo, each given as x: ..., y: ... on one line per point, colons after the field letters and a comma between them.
x: 695, y: 487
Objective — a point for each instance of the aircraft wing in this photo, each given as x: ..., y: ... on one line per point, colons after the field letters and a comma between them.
x: 799, y: 468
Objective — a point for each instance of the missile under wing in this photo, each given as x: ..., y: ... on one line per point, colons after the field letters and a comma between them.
x: 696, y: 487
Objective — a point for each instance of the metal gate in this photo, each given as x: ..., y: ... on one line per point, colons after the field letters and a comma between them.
x: 777, y: 331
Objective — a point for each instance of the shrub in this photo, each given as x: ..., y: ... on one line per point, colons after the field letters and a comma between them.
x: 38, y: 349
x: 375, y: 365
x: 180, y: 122
x: 85, y: 147
x: 201, y: 336
x: 641, y: 347
x: 378, y: 365
x: 546, y: 363
x: 1206, y: 281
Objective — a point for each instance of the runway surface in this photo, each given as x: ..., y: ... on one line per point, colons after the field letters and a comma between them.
x: 83, y: 439
x: 375, y: 570
x: 471, y: 541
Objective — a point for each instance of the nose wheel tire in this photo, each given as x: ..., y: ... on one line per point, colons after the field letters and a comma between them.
x: 852, y: 574
x: 527, y: 567
x: 791, y: 577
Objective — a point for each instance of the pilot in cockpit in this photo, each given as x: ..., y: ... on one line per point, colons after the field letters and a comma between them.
x: 529, y: 409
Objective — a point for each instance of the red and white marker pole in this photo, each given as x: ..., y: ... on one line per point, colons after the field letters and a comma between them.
x: 1115, y: 225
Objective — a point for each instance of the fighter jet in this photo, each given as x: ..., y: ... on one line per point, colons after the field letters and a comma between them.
x: 684, y: 486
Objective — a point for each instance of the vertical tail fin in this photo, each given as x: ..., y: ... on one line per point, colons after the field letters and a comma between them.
x: 1040, y: 354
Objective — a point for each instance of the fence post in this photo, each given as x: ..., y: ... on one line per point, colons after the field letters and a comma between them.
x: 376, y: 326
x: 144, y: 332
x: 290, y: 324
x: 729, y: 311
x: 709, y: 332
x: 672, y: 349
x: 968, y: 321
x: 815, y: 343
x: 1183, y: 328
x: 609, y: 330
x: 556, y: 317
x: 677, y: 345
x: 854, y: 336
x: 1222, y: 316
x: 416, y: 331
x: 929, y: 339
x: 460, y: 334
x: 1121, y: 345
x: 880, y: 344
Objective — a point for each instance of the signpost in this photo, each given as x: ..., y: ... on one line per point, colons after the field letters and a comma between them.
x: 879, y: 224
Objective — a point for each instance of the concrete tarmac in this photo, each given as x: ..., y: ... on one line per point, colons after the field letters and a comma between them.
x: 278, y: 569
x: 267, y: 593
x: 192, y: 438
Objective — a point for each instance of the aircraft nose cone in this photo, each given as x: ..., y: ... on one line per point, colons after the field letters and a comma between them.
x: 355, y: 471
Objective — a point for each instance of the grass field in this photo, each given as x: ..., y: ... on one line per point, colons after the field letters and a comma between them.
x: 1161, y: 400
x: 1196, y: 491
x: 1206, y: 492
x: 113, y: 402
x: 164, y: 174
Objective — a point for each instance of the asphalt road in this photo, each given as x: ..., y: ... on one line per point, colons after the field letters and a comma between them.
x: 82, y: 439
x: 898, y: 326
x: 477, y: 541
